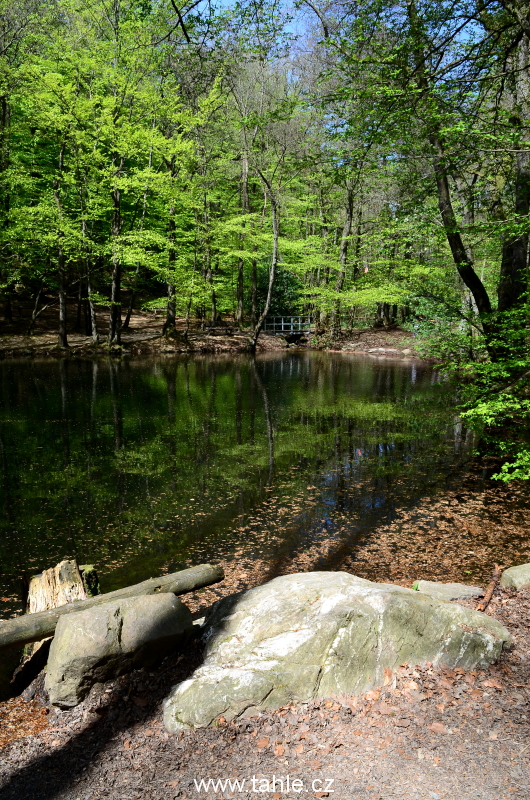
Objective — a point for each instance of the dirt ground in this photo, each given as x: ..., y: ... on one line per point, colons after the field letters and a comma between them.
x: 430, y: 733
x: 144, y: 336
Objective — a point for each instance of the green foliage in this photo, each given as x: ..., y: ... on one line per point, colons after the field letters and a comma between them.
x: 395, y: 152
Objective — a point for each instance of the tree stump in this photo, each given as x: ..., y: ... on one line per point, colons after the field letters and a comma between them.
x: 55, y: 587
x: 51, y: 588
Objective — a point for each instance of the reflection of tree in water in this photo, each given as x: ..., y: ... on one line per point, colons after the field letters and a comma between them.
x: 267, y: 409
x: 179, y: 457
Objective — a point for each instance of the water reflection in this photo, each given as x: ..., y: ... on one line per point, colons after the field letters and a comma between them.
x: 139, y: 466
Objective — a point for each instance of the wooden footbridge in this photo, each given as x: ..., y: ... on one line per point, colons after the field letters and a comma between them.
x: 287, y: 326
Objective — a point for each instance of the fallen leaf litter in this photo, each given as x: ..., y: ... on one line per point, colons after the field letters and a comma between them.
x: 429, y: 731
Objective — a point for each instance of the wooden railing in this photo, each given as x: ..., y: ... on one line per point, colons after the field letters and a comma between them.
x: 282, y: 325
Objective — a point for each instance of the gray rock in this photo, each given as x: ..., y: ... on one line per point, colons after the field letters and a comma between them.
x: 448, y: 591
x: 315, y: 634
x: 108, y: 640
x: 516, y: 577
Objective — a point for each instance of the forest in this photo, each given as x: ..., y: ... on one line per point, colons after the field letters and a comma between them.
x: 363, y: 163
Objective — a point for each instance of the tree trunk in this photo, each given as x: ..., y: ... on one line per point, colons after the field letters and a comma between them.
x: 274, y: 264
x: 343, y: 254
x: 171, y: 311
x: 254, y: 294
x: 5, y: 199
x: 125, y: 326
x: 188, y: 311
x: 461, y: 257
x: 238, y: 316
x: 126, y: 323
x: 207, y: 270
x: 170, y: 323
x: 513, y: 281
x: 114, y: 337
x: 92, y: 310
x: 79, y: 306
x: 358, y: 241
x: 35, y: 313
x: 240, y: 286
x: 63, y: 340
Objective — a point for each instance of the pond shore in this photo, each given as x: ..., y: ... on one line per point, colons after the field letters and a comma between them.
x: 432, y: 732
x: 144, y: 337
x: 429, y: 733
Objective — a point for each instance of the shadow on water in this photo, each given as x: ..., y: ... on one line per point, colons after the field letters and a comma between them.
x: 142, y: 467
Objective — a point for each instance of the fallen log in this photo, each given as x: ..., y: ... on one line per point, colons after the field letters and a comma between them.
x: 34, y: 627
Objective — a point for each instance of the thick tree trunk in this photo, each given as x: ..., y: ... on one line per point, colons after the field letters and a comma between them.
x: 114, y: 337
x: 240, y: 286
x: 213, y: 300
x: 188, y: 312
x: 461, y: 257
x: 55, y: 587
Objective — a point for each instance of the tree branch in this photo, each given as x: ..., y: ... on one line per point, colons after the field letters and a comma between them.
x: 181, y: 21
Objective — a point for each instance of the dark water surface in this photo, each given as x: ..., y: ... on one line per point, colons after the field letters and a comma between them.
x: 148, y: 466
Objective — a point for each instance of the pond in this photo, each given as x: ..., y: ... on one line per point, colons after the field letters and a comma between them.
x: 144, y: 467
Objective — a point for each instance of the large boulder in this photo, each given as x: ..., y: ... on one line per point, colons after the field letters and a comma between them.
x: 315, y: 634
x: 108, y: 640
x: 516, y: 577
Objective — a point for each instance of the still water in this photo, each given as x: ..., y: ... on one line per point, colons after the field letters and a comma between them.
x: 149, y: 466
